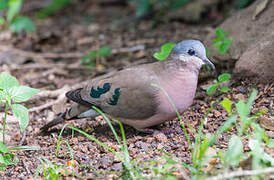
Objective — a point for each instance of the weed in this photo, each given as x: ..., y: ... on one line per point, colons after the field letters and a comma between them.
x: 165, y: 51
x: 218, y: 84
x: 12, y: 93
x: 93, y: 55
x: 144, y: 7
x: 54, y: 6
x: 12, y: 19
x: 222, y: 42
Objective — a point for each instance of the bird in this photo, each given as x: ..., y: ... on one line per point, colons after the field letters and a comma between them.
x: 131, y: 95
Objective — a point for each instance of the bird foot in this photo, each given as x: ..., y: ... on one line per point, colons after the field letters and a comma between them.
x: 155, y: 131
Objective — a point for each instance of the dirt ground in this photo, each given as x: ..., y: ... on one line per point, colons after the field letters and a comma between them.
x: 55, y: 51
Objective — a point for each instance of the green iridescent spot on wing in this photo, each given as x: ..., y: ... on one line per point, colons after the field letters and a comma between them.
x: 97, y: 93
x: 115, y: 97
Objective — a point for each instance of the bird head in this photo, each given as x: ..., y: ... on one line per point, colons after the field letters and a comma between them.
x: 192, y: 51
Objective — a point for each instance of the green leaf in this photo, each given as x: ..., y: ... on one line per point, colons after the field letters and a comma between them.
x: 2, y: 21
x: 228, y: 124
x: 2, y: 160
x: 21, y: 112
x: 3, y: 148
x: 177, y: 4
x: 217, y: 44
x: 22, y: 23
x: 165, y: 51
x: 143, y: 7
x: 54, y: 6
x: 14, y: 8
x: 105, y: 51
x: 22, y: 93
x: 224, y: 89
x: 211, y: 89
x: 227, y: 42
x: 9, y: 159
x: 251, y: 98
x: 224, y: 77
x: 222, y: 49
x: 91, y: 55
x: 3, y: 4
x: 234, y: 151
x: 242, y: 110
x: 220, y: 33
x: 7, y: 81
x: 271, y: 143
x: 226, y: 103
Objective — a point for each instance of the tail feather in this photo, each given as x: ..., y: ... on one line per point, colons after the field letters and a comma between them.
x: 76, y: 111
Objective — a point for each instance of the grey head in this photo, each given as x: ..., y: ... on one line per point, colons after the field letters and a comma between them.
x: 192, y: 48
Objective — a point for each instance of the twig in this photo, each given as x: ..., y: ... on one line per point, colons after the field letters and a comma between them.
x: 80, y: 54
x: 22, y: 141
x: 26, y: 167
x: 242, y: 173
x: 58, y: 100
x: 34, y: 56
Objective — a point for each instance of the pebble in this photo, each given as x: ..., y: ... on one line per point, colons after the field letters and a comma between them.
x: 117, y: 166
x: 161, y: 137
x: 142, y: 145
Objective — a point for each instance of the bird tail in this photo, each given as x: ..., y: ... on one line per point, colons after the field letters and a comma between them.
x: 76, y: 111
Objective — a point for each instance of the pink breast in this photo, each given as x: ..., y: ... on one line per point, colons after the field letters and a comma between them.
x: 181, y: 89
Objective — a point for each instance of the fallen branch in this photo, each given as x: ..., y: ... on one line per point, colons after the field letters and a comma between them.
x: 240, y: 173
x: 60, y: 98
x: 36, y: 57
x: 78, y: 55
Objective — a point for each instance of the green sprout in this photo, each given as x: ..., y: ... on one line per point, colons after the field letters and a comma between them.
x: 222, y: 42
x: 12, y: 19
x: 93, y: 55
x: 218, y: 84
x: 165, y: 51
x: 11, y: 93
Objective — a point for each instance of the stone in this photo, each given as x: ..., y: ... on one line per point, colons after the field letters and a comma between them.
x: 258, y: 61
x: 252, y: 42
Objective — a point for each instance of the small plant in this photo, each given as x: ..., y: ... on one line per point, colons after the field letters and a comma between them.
x: 218, y: 84
x: 165, y: 51
x: 53, y: 170
x: 54, y: 6
x: 156, y: 7
x: 11, y: 93
x: 12, y: 19
x: 222, y: 42
x: 93, y: 55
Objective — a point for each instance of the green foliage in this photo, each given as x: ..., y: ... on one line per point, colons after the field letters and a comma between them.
x: 54, y: 6
x: 21, y: 23
x: 12, y: 19
x: 234, y: 152
x: 90, y: 58
x: 218, y: 84
x: 144, y: 7
x: 243, y: 3
x: 51, y: 170
x: 165, y: 51
x: 222, y: 42
x: 10, y: 94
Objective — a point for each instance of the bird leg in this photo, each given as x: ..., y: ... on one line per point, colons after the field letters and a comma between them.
x: 155, y: 131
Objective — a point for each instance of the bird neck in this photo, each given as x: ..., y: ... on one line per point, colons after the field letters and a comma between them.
x: 174, y: 64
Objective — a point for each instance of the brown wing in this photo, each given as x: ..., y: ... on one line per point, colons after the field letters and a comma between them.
x: 126, y: 94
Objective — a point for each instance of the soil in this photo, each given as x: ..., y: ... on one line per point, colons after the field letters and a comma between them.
x: 75, y: 30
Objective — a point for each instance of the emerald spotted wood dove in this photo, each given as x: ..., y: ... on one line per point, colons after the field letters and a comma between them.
x: 129, y: 96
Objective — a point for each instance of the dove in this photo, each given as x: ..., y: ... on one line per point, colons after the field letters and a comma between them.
x: 130, y: 95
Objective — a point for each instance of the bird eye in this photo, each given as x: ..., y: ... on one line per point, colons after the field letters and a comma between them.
x: 191, y: 52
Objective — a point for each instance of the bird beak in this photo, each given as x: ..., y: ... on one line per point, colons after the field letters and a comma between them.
x: 207, y: 61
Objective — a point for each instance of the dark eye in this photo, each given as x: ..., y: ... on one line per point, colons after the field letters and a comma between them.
x: 191, y: 52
